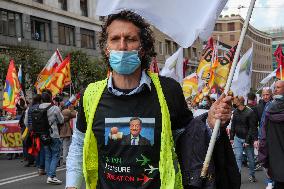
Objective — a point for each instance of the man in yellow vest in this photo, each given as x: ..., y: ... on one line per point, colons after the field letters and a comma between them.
x: 127, y: 46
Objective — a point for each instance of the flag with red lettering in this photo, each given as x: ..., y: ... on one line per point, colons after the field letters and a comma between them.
x: 223, y: 68
x: 60, y: 78
x: 48, y: 70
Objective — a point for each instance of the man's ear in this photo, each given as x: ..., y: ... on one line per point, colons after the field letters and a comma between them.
x: 142, y: 52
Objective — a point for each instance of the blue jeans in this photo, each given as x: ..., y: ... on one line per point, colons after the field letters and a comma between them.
x: 249, y: 150
x: 40, y: 159
x: 52, y: 157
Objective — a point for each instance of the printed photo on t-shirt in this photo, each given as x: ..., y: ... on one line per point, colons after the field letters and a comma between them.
x: 129, y: 131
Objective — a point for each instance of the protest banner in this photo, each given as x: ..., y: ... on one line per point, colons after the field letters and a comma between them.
x: 10, y: 137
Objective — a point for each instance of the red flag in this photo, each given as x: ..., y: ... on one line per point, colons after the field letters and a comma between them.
x: 154, y: 66
x: 185, y: 63
x: 280, y: 60
x: 11, y: 89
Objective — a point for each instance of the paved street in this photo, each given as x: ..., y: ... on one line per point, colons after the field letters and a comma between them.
x: 13, y: 174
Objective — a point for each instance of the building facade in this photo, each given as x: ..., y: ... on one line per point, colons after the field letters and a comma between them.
x: 69, y: 25
x: 228, y: 30
x: 165, y: 47
x: 50, y: 24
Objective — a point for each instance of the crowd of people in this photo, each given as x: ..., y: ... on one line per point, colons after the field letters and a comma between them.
x: 255, y: 131
x: 178, y: 131
x: 43, y: 147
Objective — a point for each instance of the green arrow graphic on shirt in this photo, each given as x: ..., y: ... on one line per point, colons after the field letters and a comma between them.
x: 144, y: 161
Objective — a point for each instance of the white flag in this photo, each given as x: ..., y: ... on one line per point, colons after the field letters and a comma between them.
x: 174, y: 66
x: 241, y: 83
x: 267, y: 78
x: 182, y: 20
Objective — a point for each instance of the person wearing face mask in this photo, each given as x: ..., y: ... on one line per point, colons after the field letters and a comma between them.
x: 205, y: 103
x: 243, y: 133
x: 271, y: 145
x: 127, y: 46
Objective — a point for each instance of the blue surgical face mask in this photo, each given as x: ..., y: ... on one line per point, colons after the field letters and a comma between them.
x: 124, y: 62
x: 204, y: 103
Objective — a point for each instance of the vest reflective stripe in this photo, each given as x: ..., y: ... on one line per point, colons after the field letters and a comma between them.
x: 168, y: 159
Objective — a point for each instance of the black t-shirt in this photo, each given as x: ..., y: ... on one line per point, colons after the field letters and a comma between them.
x: 126, y: 161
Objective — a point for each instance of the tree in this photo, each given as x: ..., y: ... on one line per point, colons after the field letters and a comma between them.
x: 31, y: 60
x: 85, y: 70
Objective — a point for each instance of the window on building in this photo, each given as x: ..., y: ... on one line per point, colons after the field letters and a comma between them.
x: 62, y: 4
x: 231, y: 26
x: 40, y: 29
x: 10, y: 23
x: 66, y: 34
x: 84, y: 7
x: 232, y: 37
x: 87, y: 39
x: 175, y: 47
x: 160, y: 47
x: 189, y: 53
x: 102, y: 18
x: 194, y: 52
x: 218, y: 27
x: 168, y: 47
x: 38, y: 1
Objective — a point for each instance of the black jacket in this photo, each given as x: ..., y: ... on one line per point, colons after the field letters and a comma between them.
x: 191, y: 147
x: 244, y: 125
x: 258, y: 109
x: 271, y: 150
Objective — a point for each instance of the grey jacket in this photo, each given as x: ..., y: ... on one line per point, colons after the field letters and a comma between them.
x: 55, y: 118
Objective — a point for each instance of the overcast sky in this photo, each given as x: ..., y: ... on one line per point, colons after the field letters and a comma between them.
x: 266, y: 14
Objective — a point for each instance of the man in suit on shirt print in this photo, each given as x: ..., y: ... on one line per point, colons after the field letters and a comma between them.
x: 135, y: 138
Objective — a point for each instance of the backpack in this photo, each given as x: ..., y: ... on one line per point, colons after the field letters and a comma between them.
x: 40, y: 123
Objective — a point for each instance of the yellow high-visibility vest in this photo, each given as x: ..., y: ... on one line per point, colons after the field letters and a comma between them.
x: 170, y: 178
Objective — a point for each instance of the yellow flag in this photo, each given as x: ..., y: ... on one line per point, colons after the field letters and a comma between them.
x: 203, y: 69
x: 223, y: 68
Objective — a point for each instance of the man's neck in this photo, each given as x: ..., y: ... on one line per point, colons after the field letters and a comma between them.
x: 241, y: 107
x: 126, y: 81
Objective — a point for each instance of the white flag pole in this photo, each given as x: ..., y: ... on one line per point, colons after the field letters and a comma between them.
x: 228, y: 84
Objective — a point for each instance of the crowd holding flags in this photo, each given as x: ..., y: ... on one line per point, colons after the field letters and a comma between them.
x: 54, y: 76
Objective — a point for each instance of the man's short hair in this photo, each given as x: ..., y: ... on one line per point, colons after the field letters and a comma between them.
x: 36, y: 99
x: 135, y: 118
x: 267, y: 89
x: 146, y: 35
x: 46, y: 97
x: 241, y: 99
x: 251, y: 96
